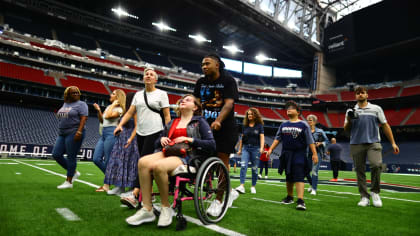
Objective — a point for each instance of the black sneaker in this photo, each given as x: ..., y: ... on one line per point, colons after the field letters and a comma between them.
x: 300, y: 205
x: 287, y: 200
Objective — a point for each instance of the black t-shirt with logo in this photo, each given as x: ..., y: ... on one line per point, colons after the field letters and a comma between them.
x: 213, y: 94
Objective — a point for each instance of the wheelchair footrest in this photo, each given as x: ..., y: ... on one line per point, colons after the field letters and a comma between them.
x: 181, y: 223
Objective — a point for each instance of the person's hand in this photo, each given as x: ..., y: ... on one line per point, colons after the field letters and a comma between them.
x: 216, y: 125
x: 78, y: 136
x: 165, y: 141
x: 182, y: 139
x: 261, y: 150
x: 128, y: 143
x: 118, y: 130
x: 269, y: 152
x: 318, y: 144
x: 396, y: 148
x: 97, y: 107
x: 315, y: 158
x: 239, y: 152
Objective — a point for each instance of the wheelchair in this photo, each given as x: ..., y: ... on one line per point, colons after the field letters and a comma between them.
x: 202, y: 181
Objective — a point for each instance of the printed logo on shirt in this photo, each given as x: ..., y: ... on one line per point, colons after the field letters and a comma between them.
x: 293, y: 131
x: 63, y: 113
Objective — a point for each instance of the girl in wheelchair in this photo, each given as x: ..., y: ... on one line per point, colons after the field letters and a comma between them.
x: 189, y: 128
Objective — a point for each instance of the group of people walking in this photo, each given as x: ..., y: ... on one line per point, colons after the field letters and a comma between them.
x: 135, y: 128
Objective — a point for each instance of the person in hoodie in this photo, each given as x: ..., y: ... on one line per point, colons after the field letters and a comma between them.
x: 189, y: 127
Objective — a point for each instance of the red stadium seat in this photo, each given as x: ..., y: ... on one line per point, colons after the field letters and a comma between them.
x: 409, y: 91
x: 283, y: 113
x: 240, y: 109
x: 337, y: 119
x: 327, y: 97
x: 384, y: 93
x: 394, y: 117
x: 268, y: 113
x: 55, y: 49
x: 173, y: 98
x: 347, y: 96
x: 25, y: 73
x: 414, y: 118
x: 84, y: 84
x: 319, y: 114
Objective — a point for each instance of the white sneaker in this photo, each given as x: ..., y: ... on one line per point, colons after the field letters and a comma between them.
x: 376, y: 200
x: 215, y: 208
x: 130, y: 201
x: 310, y: 189
x: 363, y: 202
x: 259, y: 176
x: 313, y: 192
x: 165, y: 218
x: 76, y: 176
x: 115, y: 191
x: 141, y: 216
x: 266, y: 177
x: 65, y: 185
x: 253, y: 190
x: 127, y: 194
x: 232, y: 197
x: 240, y: 189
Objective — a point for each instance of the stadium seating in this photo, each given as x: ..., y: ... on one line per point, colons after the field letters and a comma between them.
x: 84, y: 84
x: 336, y: 119
x: 395, y: 117
x: 268, y: 113
x: 25, y: 73
x: 384, y: 92
x: 327, y: 97
x: 240, y: 109
x: 276, y: 82
x: 347, y: 96
x: 34, y: 126
x: 283, y: 113
x: 414, y: 118
x: 173, y: 98
x: 26, y: 25
x: 410, y: 91
x: 116, y: 49
x: 186, y: 65
x: 156, y: 59
x: 69, y: 36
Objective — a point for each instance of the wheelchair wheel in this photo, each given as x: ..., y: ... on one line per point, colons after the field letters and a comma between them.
x: 212, y: 182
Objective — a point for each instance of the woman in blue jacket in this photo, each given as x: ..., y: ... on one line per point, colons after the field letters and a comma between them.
x: 190, y: 127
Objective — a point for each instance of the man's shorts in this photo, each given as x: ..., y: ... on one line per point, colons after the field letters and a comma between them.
x: 225, y: 140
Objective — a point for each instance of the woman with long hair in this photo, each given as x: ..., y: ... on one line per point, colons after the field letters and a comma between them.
x: 72, y: 118
x: 109, y: 120
x: 251, y: 145
x: 189, y: 127
x: 121, y: 170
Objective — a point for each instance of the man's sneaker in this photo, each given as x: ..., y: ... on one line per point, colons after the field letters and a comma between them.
x: 253, y: 190
x: 266, y: 177
x: 287, y: 200
x: 65, y: 185
x: 259, y: 176
x: 141, y: 216
x: 363, y: 202
x: 215, y: 208
x: 300, y: 205
x: 165, y: 218
x: 310, y: 189
x: 313, y: 192
x: 376, y: 200
x: 240, y: 189
x: 232, y: 197
x: 115, y: 191
x: 75, y: 176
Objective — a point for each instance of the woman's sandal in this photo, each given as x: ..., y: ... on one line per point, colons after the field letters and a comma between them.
x: 100, y: 189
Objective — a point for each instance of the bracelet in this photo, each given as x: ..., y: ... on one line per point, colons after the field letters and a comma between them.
x: 79, y: 132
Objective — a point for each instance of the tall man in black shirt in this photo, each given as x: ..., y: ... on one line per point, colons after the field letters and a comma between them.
x: 218, y: 91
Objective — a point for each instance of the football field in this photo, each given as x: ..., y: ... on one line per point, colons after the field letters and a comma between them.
x: 31, y: 204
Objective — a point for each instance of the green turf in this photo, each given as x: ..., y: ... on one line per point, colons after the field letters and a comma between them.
x: 28, y: 201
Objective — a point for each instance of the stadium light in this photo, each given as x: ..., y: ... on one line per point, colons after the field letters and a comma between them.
x: 261, y: 58
x: 121, y: 12
x: 199, y: 38
x: 162, y: 26
x: 233, y: 49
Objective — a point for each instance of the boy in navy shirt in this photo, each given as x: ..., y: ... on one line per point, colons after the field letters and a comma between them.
x: 295, y: 135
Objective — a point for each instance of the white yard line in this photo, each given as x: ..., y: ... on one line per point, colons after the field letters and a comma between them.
x: 67, y: 214
x: 190, y: 219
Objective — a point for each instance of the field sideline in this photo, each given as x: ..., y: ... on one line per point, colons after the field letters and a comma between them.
x: 29, y: 201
